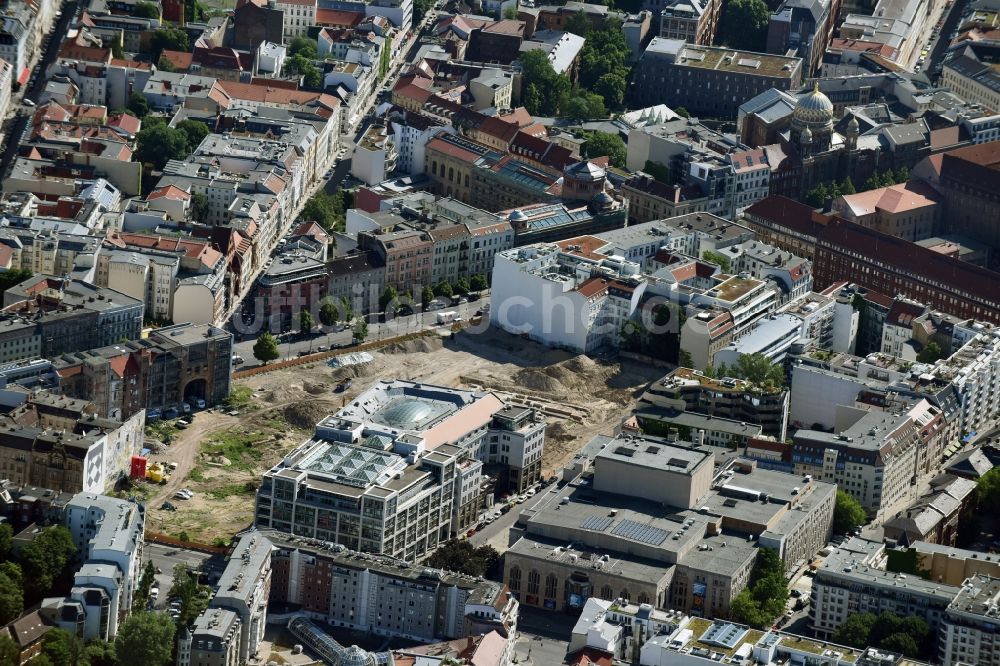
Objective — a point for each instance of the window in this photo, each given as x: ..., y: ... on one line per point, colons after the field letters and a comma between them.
x: 515, y: 579
x: 533, y: 579
x: 550, y: 586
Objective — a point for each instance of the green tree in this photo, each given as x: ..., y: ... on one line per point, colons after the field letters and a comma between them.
x: 817, y: 196
x: 194, y: 131
x: 145, y: 10
x: 311, y: 75
x: 510, y: 12
x: 346, y: 309
x: 461, y: 556
x: 577, y: 109
x: 194, y: 11
x: 855, y: 630
x: 306, y: 321
x: 988, y: 488
x: 478, y: 282
x: 930, y: 353
x: 46, y: 558
x: 682, y: 112
x: 199, y: 207
x: 721, y: 260
x: 159, y: 144
x: 764, y: 599
x: 611, y: 87
x: 145, y: 586
x: 145, y: 638
x: 360, y: 329
x: 848, y: 187
x: 11, y: 596
x: 551, y: 91
x: 165, y: 65
x: 62, y: 647
x: 6, y: 531
x: 847, y: 513
x: 266, y: 348
x: 303, y: 46
x: 758, y: 369
x: 578, y: 24
x: 9, y: 652
x: 168, y: 38
x: 327, y: 210
x: 600, y: 144
x: 388, y: 296
x: 138, y: 104
x: 426, y: 296
x: 462, y: 286
x: 443, y: 288
x: 744, y: 24
x: 100, y: 653
x: 900, y: 643
x: 328, y: 314
x: 532, y: 99
x: 902, y: 174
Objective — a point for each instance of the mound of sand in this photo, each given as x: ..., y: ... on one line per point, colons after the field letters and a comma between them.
x: 535, y: 379
x: 313, y: 388
x: 306, y: 414
x: 423, y: 344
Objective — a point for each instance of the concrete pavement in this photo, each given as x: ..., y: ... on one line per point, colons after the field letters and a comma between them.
x: 165, y: 558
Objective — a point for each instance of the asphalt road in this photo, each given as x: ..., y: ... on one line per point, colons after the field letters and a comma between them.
x: 942, y: 40
x: 167, y: 557
x: 376, y: 331
x: 542, y: 636
x: 497, y: 533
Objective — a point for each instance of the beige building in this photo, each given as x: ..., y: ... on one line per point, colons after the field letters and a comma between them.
x: 877, y: 458
x: 214, y: 640
x: 910, y: 210
x: 649, y: 199
x: 648, y: 520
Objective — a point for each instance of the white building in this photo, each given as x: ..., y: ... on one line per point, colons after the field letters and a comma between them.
x: 108, y: 534
x: 968, y: 629
x: 771, y: 336
x: 270, y: 59
x: 299, y: 16
x: 561, y: 300
x: 245, y: 589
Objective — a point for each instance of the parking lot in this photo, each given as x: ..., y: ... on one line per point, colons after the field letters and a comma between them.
x: 165, y: 558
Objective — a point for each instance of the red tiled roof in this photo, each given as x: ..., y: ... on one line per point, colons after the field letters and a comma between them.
x: 336, y: 17
x: 179, y: 59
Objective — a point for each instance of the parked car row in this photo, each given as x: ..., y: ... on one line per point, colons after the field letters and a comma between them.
x: 186, y: 407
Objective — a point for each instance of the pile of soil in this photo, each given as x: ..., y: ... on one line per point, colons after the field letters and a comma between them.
x: 313, y: 388
x: 423, y: 344
x: 307, y: 413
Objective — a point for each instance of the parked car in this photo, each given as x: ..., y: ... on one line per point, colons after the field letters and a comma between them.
x: 344, y: 385
x: 185, y: 407
x: 28, y: 102
x: 170, y: 413
x: 199, y: 403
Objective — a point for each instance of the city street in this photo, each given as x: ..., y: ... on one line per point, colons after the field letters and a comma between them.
x: 497, y: 533
x: 166, y: 558
x: 290, y: 348
x: 543, y: 636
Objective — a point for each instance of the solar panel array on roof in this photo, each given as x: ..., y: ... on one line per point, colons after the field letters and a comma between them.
x: 598, y: 523
x: 639, y: 532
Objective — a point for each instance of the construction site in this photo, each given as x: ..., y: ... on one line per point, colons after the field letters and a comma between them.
x: 222, y: 454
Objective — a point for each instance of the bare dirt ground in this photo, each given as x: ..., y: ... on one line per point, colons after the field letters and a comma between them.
x: 221, y: 457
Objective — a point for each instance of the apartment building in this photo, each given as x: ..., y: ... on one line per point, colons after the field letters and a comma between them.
x: 298, y: 17
x: 890, y: 265
x: 912, y: 210
x: 244, y: 589
x: 212, y: 640
x: 650, y: 526
x: 877, y: 458
x: 693, y: 21
x: 709, y: 81
x: 381, y: 595
x: 968, y: 183
x: 46, y: 316
x: 174, y: 364
x: 803, y: 27
x: 108, y: 534
x: 967, y: 630
x: 853, y: 579
x: 691, y: 391
x: 416, y: 442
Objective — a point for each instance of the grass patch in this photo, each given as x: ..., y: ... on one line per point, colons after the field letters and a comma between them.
x: 231, y: 490
x: 241, y: 397
x: 162, y: 430
x: 197, y: 474
x: 241, y: 449
x: 275, y: 422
